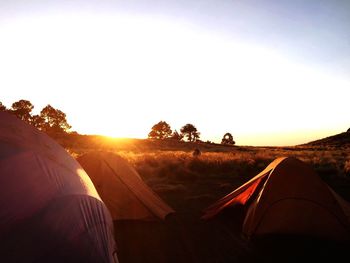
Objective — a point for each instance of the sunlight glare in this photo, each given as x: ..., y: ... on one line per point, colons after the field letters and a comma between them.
x: 126, y: 73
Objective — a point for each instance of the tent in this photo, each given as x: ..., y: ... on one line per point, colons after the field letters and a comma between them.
x: 288, y: 198
x: 49, y: 208
x: 122, y: 189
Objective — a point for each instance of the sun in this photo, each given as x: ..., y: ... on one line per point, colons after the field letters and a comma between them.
x: 119, y: 75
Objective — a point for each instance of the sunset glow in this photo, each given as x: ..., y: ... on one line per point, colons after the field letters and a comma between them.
x: 117, y: 73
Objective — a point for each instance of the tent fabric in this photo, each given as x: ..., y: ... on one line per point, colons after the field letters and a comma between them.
x: 288, y: 197
x: 122, y: 189
x: 50, y: 210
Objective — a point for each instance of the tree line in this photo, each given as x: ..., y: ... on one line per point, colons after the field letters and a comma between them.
x: 162, y: 130
x: 50, y: 120
x: 54, y: 122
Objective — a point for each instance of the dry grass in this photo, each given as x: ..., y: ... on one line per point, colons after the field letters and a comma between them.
x: 218, y: 169
x: 190, y: 183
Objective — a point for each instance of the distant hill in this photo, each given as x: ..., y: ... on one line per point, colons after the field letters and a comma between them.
x: 341, y: 139
x: 78, y: 142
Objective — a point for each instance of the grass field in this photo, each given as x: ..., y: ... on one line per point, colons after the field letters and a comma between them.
x: 168, y: 166
x: 191, y: 183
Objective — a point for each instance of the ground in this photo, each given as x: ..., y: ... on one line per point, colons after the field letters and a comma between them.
x: 191, y: 183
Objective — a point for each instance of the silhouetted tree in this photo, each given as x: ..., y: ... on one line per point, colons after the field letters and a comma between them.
x: 228, y: 139
x: 348, y: 130
x: 55, y: 121
x: 22, y: 109
x: 37, y: 121
x: 2, y: 107
x: 190, y: 132
x: 161, y: 130
x: 176, y: 136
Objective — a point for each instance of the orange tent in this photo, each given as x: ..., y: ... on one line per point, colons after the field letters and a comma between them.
x: 49, y: 208
x: 122, y: 189
x: 288, y: 197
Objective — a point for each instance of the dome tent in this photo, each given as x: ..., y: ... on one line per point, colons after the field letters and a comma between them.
x: 122, y: 189
x: 288, y: 198
x: 49, y: 209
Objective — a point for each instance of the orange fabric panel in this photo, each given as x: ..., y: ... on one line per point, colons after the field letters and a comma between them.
x: 301, y: 217
x: 122, y: 189
x: 116, y: 196
x: 129, y: 176
x: 288, y: 197
x: 218, y: 206
x: 296, y: 182
x: 240, y: 196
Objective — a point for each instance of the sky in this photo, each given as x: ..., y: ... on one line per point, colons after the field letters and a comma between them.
x: 269, y: 72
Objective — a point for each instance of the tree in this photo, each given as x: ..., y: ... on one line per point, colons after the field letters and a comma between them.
x: 228, y: 139
x: 161, y: 130
x: 22, y: 109
x: 190, y: 132
x: 37, y: 121
x: 2, y: 107
x: 55, y: 121
x: 177, y: 136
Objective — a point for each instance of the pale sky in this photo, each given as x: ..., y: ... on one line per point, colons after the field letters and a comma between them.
x: 268, y: 72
